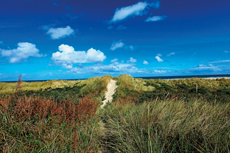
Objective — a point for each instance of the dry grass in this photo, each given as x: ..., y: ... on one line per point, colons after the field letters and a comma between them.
x: 8, y: 88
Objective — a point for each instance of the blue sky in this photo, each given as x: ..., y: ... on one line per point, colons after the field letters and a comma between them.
x: 73, y: 39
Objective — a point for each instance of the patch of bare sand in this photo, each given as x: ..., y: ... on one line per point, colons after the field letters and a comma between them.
x: 111, y: 89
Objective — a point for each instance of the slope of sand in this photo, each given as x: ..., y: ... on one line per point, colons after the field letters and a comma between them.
x: 111, y: 89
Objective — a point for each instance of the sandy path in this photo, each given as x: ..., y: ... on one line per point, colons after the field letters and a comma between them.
x: 111, y: 89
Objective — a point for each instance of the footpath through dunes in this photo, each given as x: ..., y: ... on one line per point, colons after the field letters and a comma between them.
x: 111, y: 89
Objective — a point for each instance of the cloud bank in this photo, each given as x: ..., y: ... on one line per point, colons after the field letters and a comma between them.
x: 21, y: 53
x: 58, y: 33
x: 67, y: 56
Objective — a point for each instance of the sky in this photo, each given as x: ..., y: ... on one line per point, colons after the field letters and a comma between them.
x: 76, y: 39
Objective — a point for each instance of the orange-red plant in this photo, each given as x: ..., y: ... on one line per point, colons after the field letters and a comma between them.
x: 23, y: 108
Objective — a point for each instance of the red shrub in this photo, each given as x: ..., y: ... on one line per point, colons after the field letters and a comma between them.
x: 23, y: 108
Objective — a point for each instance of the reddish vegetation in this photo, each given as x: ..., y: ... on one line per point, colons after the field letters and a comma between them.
x: 24, y: 108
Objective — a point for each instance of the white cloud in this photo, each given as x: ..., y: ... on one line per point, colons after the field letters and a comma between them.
x: 145, y: 62
x: 132, y: 60
x: 223, y: 61
x: 57, y: 33
x: 117, y: 44
x: 227, y: 51
x: 121, y: 27
x: 21, y: 53
x: 202, y: 67
x: 155, y: 18
x: 137, y: 9
x: 159, y: 71
x: 114, y: 68
x: 1, y: 42
x: 159, y: 55
x: 67, y: 56
x: 99, y: 68
x: 114, y: 60
x: 129, y: 47
x: 158, y: 59
x: 171, y: 54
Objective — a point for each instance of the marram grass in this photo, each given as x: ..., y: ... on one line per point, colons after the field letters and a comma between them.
x: 146, y: 116
x: 167, y: 126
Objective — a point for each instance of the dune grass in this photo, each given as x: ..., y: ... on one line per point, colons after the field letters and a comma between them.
x: 8, y: 88
x: 141, y: 90
x: 52, y: 119
x: 167, y: 126
x: 145, y: 116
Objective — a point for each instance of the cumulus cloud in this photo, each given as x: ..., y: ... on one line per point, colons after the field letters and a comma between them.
x: 145, y: 62
x: 67, y: 56
x: 155, y: 18
x: 21, y: 53
x: 121, y: 27
x: 57, y: 33
x: 131, y: 60
x: 137, y: 9
x: 171, y: 54
x: 117, y: 44
x: 158, y: 59
x: 114, y: 60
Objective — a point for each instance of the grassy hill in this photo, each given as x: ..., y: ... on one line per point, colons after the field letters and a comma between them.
x: 186, y: 115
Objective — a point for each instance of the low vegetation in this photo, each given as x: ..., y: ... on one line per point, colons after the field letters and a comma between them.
x: 167, y: 126
x: 185, y: 89
x: 189, y: 115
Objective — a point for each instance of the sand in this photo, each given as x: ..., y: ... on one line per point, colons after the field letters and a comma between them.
x: 111, y: 89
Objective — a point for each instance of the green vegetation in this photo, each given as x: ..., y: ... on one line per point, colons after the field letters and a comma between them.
x: 167, y: 126
x: 189, y: 115
x: 184, y: 89
x: 7, y: 88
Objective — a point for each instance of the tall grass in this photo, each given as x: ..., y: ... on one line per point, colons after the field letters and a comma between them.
x: 134, y: 122
x: 167, y: 126
x: 35, y: 124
